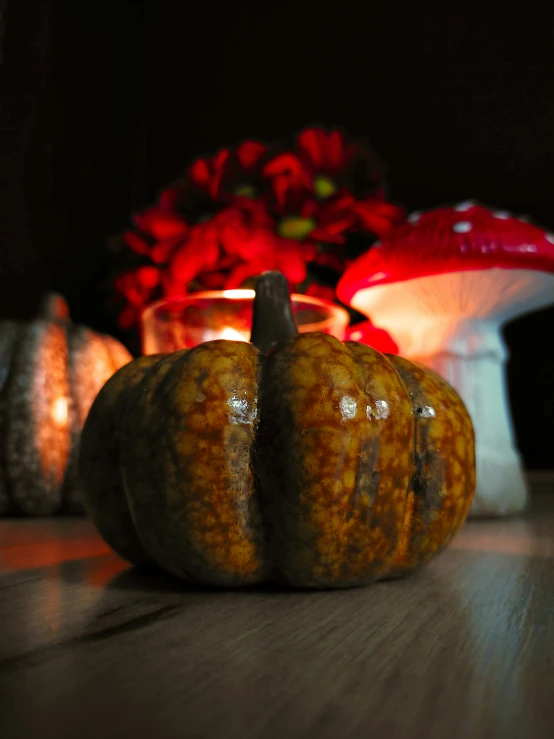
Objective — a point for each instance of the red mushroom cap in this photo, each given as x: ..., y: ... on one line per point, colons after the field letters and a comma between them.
x: 463, y: 237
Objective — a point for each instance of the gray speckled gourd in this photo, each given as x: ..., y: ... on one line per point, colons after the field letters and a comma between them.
x: 50, y: 372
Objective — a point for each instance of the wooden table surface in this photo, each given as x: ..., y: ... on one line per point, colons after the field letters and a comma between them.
x: 463, y: 649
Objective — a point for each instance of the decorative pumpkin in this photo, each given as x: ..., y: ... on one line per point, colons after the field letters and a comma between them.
x: 296, y: 458
x: 50, y: 372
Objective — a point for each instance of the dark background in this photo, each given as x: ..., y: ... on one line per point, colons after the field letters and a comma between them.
x: 101, y: 104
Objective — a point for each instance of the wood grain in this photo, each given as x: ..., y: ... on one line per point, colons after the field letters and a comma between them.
x: 464, y: 648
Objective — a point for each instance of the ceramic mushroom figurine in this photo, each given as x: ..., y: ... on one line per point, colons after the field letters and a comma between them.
x: 443, y: 285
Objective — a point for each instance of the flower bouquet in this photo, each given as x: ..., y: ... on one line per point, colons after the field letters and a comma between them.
x: 306, y: 210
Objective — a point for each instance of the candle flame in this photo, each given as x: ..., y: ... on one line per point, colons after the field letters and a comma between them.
x: 238, y: 294
x: 231, y: 335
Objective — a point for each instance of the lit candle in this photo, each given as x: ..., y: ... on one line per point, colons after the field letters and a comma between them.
x: 185, y: 322
x: 231, y: 334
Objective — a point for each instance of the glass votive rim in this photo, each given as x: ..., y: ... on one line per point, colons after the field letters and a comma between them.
x: 337, y: 319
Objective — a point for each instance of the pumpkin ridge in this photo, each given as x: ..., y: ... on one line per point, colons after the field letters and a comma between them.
x: 103, y: 494
x: 256, y: 453
x: 39, y: 433
x: 89, y: 366
x: 9, y: 341
x: 37, y: 446
x: 308, y: 463
x: 116, y: 352
x: 70, y: 493
x: 445, y: 465
x: 389, y: 407
x: 193, y: 502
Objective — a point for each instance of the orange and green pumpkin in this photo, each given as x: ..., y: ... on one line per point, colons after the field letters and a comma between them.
x: 296, y: 458
x: 50, y: 372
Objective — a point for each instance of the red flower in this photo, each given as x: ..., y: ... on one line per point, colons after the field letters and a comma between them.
x: 243, y: 174
x: 288, y: 177
x: 136, y: 287
x: 206, y: 174
x: 200, y: 251
x: 341, y: 177
x: 377, y: 216
x: 325, y: 222
x: 284, y: 255
x: 160, y: 223
x: 241, y: 242
x: 214, y: 182
x: 325, y: 163
x: 243, y: 211
x: 160, y: 232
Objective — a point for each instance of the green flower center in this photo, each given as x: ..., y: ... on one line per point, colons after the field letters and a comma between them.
x: 245, y: 190
x: 295, y: 227
x: 324, y: 187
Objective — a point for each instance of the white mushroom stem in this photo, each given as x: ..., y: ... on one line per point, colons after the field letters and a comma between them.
x: 452, y: 324
x: 478, y: 372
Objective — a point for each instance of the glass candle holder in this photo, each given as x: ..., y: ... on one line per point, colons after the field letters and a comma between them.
x: 184, y: 322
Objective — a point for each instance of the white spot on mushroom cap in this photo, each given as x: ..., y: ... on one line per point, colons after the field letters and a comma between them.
x: 501, y: 214
x: 462, y: 227
x: 378, y: 276
x: 356, y: 335
x: 414, y: 217
x: 466, y: 205
x: 550, y: 238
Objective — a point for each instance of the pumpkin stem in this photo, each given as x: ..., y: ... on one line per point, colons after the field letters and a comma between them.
x: 54, y: 307
x: 272, y: 321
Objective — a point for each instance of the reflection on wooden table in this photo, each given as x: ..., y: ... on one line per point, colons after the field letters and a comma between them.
x: 464, y: 648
